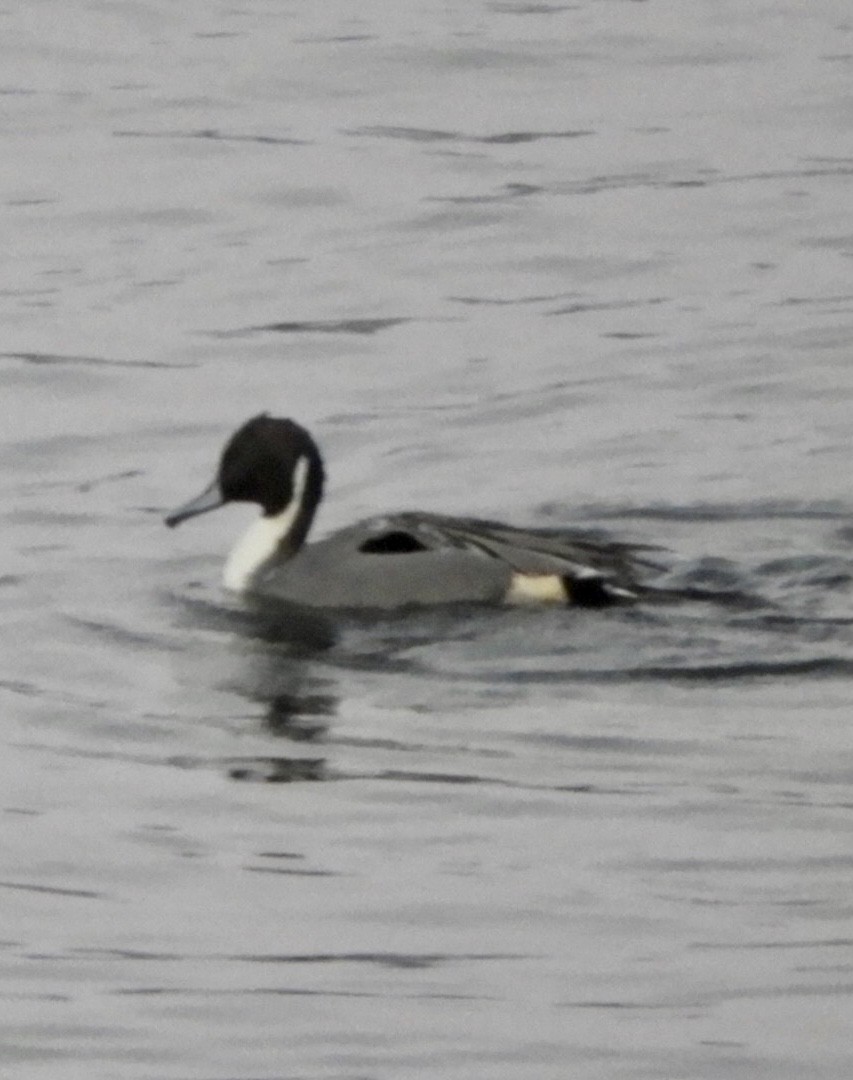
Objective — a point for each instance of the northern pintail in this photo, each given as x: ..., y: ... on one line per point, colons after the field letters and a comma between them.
x: 395, y: 560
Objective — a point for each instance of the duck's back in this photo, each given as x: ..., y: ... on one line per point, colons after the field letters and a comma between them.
x: 414, y: 559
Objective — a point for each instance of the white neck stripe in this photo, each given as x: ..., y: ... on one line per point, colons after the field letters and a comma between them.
x: 262, y: 539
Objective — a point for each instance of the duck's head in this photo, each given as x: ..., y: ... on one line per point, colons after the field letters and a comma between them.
x: 275, y: 463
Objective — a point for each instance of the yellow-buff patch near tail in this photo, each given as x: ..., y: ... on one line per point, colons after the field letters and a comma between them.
x: 537, y: 589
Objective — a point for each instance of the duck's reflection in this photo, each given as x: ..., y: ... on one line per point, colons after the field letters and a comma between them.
x: 297, y: 631
x: 266, y: 654
x: 297, y: 716
x: 297, y: 704
x: 303, y: 631
x: 281, y: 677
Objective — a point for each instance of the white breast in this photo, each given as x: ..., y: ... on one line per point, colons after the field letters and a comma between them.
x: 261, y: 540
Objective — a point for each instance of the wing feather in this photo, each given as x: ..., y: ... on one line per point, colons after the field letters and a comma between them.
x: 532, y: 551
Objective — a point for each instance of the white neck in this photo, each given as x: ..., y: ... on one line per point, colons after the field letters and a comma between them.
x: 261, y: 540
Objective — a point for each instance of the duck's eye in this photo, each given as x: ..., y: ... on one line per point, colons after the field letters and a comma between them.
x: 392, y: 543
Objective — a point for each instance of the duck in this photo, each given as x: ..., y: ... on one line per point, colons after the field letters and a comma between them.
x: 396, y: 560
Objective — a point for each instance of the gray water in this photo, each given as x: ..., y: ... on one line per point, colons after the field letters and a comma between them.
x: 561, y: 264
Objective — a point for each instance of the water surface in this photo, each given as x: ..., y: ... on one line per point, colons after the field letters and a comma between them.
x: 564, y: 264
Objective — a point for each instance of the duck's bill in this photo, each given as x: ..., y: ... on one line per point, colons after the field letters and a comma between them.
x: 210, y: 499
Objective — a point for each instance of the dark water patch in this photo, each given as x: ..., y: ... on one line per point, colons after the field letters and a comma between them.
x: 435, y: 135
x: 705, y: 178
x: 117, y: 954
x: 52, y: 890
x: 284, y: 770
x: 509, y: 301
x: 113, y: 632
x: 33, y: 298
x: 156, y: 759
x: 168, y: 218
x: 614, y: 744
x: 362, y: 327
x: 738, y: 946
x: 510, y: 138
x: 288, y: 871
x: 504, y: 193
x: 624, y: 335
x: 704, y: 512
x: 289, y: 770
x: 429, y: 777
x: 580, y: 307
x: 460, y: 218
x: 335, y: 39
x: 249, y: 991
x: 88, y: 361
x: 390, y: 960
x: 825, y: 571
x: 843, y: 244
x: 638, y: 1006
x: 110, y: 478
x: 511, y: 59
x: 408, y: 133
x: 76, y: 752
x: 501, y: 656
x: 805, y: 301
x: 596, y: 184
x: 811, y: 625
x: 827, y: 667
x: 288, y: 991
x: 524, y: 8
x: 18, y: 686
x: 276, y: 770
x: 709, y: 578
x: 795, y: 990
x: 752, y: 863
x: 409, y: 747
x: 212, y: 134
x: 409, y: 776
x: 33, y: 996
